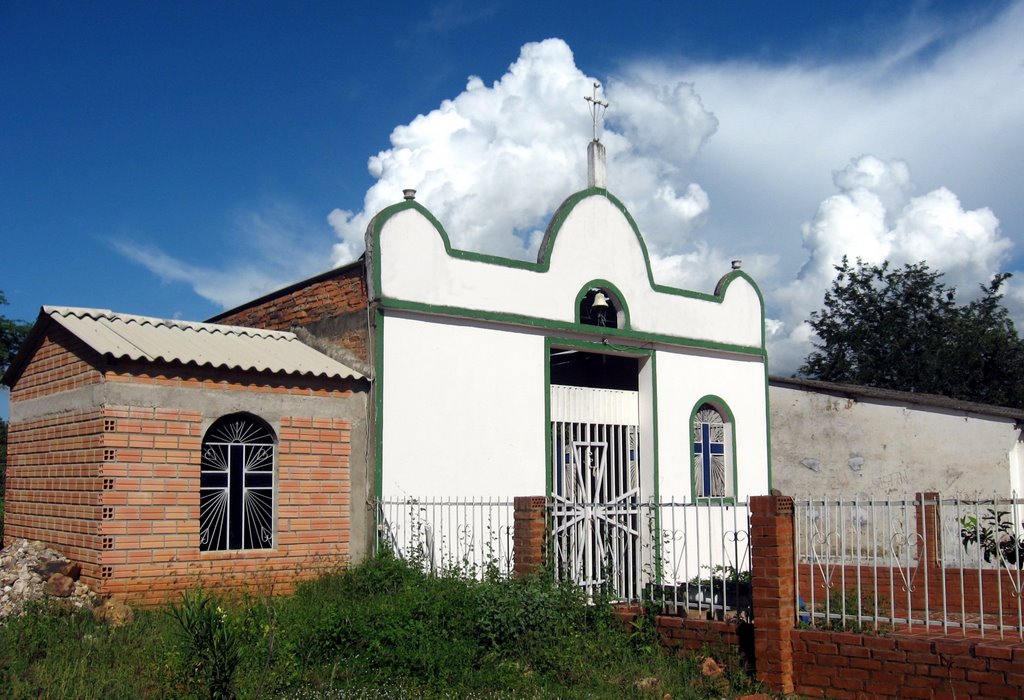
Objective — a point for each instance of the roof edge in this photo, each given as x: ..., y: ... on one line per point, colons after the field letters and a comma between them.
x: 18, y: 362
x: 937, y: 401
x: 53, y: 314
x: 58, y: 312
x: 294, y: 286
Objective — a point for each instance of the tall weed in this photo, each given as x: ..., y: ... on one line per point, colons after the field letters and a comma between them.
x: 209, y: 645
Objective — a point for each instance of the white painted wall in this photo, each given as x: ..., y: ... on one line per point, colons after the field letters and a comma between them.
x: 682, y: 380
x: 463, y: 411
x: 595, y: 242
x: 824, y: 444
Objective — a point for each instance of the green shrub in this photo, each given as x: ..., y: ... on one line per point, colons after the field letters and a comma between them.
x: 208, y: 643
x: 53, y: 651
x: 383, y: 629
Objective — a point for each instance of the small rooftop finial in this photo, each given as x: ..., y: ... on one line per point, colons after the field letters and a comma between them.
x: 597, y: 108
x: 409, y: 195
x: 737, y: 264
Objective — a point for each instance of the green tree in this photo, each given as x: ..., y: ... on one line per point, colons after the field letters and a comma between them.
x: 12, y: 335
x: 902, y: 328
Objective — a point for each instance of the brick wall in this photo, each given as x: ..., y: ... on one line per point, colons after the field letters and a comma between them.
x: 977, y: 589
x: 824, y: 663
x: 529, y: 535
x: 846, y: 665
x: 116, y: 487
x: 53, y: 485
x: 331, y: 306
x: 58, y: 365
x: 772, y: 563
x: 676, y: 632
x: 151, y: 507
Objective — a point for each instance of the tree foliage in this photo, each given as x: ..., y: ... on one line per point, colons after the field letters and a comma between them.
x: 902, y: 328
x: 12, y: 335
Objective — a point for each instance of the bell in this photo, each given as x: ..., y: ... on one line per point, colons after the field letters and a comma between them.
x: 600, y: 301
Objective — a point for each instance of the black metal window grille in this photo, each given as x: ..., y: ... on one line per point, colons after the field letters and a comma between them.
x: 236, y: 485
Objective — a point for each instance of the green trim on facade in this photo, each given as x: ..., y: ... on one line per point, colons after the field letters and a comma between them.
x: 553, y: 342
x: 553, y: 330
x: 378, y: 396
x: 656, y: 465
x: 768, y: 426
x: 722, y: 407
x: 548, y: 455
x: 544, y: 254
x: 563, y: 326
x: 606, y: 285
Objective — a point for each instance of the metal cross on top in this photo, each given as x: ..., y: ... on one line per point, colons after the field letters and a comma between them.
x: 596, y: 107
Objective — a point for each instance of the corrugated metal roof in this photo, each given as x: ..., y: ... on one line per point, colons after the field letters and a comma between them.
x: 124, y: 336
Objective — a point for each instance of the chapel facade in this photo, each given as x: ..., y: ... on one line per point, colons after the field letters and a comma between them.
x: 253, y: 448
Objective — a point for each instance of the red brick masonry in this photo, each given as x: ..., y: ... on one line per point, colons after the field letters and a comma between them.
x: 338, y: 293
x: 848, y: 665
x: 116, y: 487
x: 822, y: 663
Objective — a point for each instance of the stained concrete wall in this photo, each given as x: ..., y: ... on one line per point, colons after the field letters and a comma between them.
x: 831, y: 443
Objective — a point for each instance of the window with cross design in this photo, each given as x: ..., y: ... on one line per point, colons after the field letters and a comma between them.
x: 236, y: 485
x: 712, y: 453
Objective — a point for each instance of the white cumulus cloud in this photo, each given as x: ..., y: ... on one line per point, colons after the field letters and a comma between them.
x: 874, y: 218
x: 494, y: 162
x: 720, y: 161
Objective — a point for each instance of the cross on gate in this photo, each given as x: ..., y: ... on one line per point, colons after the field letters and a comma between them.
x: 706, y: 448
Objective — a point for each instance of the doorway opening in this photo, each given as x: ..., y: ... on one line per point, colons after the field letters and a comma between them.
x: 595, y: 469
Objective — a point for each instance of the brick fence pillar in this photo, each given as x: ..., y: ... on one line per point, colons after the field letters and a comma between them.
x: 529, y: 534
x: 772, y: 569
x: 929, y: 527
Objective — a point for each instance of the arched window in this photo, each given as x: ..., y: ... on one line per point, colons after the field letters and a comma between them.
x: 712, y: 452
x: 236, y: 485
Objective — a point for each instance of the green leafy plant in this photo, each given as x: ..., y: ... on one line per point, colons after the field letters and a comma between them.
x: 56, y: 651
x: 210, y: 645
x: 996, y: 536
x: 843, y: 611
x: 722, y: 573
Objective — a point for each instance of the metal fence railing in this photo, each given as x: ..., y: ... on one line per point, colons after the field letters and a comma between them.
x: 684, y: 556
x: 949, y: 564
x: 468, y: 536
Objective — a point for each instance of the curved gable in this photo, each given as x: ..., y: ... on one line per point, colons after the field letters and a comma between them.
x: 412, y: 265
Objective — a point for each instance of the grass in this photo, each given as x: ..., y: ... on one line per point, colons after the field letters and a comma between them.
x: 379, y: 630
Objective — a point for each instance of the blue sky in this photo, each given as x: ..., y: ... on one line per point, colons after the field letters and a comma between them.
x: 171, y: 159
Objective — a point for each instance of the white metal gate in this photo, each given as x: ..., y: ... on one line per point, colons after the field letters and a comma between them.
x: 595, y: 488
